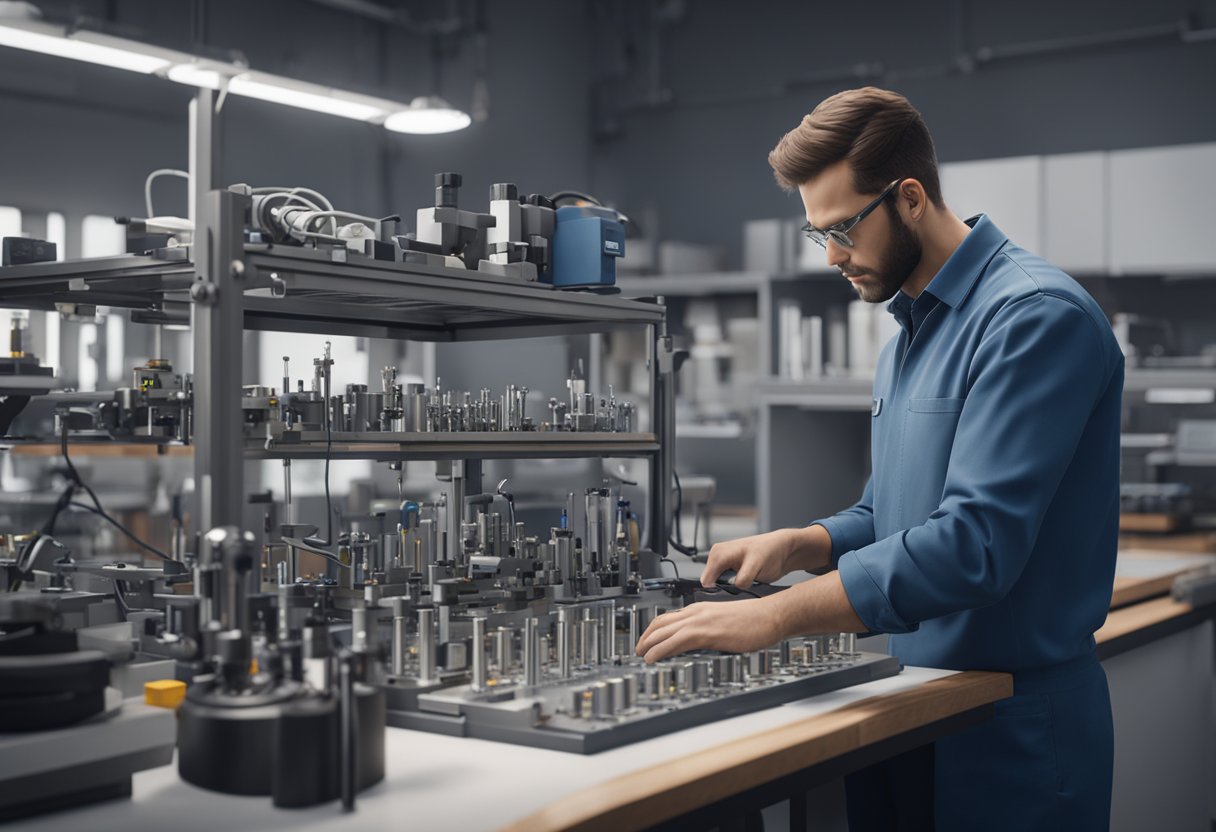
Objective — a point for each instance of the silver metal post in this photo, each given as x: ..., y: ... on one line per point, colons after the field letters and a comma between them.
x: 635, y: 619
x: 399, y: 621
x: 426, y: 645
x: 479, y: 654
x: 531, y: 653
x: 563, y: 643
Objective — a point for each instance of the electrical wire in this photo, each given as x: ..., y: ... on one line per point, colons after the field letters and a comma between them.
x: 156, y: 174
x: 329, y: 513
x: 729, y: 589
x: 126, y: 532
x: 293, y: 191
x: 76, y: 481
x: 675, y: 540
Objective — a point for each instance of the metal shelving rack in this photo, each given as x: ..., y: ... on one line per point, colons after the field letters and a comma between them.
x: 228, y: 286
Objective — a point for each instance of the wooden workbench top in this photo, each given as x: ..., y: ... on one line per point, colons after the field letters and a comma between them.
x: 658, y: 793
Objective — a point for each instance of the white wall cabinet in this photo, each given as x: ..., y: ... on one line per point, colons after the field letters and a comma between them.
x: 1076, y: 212
x: 1161, y: 215
x: 1144, y: 211
x: 1009, y: 191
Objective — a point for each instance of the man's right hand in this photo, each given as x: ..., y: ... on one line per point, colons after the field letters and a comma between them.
x: 770, y: 556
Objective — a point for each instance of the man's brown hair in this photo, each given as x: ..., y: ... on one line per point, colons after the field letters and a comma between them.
x: 878, y: 132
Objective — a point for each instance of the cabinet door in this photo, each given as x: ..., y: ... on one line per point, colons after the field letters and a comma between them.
x: 1161, y: 209
x: 1075, y: 209
x: 1009, y: 191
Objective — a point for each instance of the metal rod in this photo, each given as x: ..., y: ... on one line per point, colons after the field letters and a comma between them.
x: 563, y: 643
x: 349, y: 732
x: 479, y: 654
x: 426, y: 645
x: 635, y: 619
x: 531, y: 653
x: 399, y: 621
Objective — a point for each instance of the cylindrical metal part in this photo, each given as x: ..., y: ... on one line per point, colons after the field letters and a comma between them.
x: 504, y: 649
x: 563, y: 547
x: 786, y: 658
x: 358, y: 629
x: 374, y: 407
x: 586, y: 645
x: 531, y: 652
x: 399, y: 636
x: 284, y: 611
x: 700, y: 675
x: 635, y: 632
x: 682, y: 676
x: 607, y: 618
x: 356, y: 407
x: 848, y: 644
x: 563, y: 643
x: 479, y: 654
x: 618, y: 696
x: 426, y: 645
x: 760, y: 663
x: 348, y: 734
x: 650, y: 683
x: 601, y: 705
x: 663, y: 685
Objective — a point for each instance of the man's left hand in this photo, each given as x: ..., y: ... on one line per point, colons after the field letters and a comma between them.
x: 736, y: 626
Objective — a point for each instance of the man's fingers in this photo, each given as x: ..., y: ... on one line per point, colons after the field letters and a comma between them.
x: 721, y: 558
x: 662, y: 623
x: 680, y: 641
x: 746, y: 575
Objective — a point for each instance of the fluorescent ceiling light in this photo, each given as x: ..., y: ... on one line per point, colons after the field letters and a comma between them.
x: 424, y: 115
x: 195, y: 74
x: 91, y: 47
x: 428, y: 115
x: 308, y: 96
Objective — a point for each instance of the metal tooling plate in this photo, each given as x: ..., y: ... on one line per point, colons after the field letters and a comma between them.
x: 515, y: 720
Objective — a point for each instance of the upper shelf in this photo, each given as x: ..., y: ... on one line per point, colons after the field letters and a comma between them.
x: 385, y: 446
x: 305, y: 290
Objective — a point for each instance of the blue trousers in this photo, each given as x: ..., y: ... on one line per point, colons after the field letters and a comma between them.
x: 1043, y: 762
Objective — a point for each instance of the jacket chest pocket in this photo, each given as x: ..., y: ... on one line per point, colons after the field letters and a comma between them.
x: 928, y: 437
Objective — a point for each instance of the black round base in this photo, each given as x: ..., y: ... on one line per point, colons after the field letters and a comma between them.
x: 284, y: 744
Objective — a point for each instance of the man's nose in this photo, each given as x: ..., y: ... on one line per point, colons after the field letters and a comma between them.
x: 837, y: 254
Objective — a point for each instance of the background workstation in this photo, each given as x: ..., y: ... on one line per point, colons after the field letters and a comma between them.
x: 1081, y: 129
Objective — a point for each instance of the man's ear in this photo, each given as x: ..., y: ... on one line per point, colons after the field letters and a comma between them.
x: 911, y: 198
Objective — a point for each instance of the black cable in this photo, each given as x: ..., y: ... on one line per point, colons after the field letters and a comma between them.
x: 120, y: 601
x: 674, y: 540
x: 77, y: 481
x: 730, y: 590
x: 329, y: 514
x: 674, y: 568
x: 127, y: 532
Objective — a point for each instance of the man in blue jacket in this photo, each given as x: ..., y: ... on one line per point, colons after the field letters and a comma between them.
x: 986, y: 536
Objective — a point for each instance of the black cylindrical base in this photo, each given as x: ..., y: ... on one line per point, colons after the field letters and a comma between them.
x: 283, y: 744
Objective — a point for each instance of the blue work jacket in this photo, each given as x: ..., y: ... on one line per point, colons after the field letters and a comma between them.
x: 986, y: 536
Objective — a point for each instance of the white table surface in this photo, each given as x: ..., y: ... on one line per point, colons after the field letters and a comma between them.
x: 438, y: 782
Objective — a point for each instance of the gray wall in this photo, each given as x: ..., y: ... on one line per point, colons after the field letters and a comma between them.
x: 80, y: 139
x: 699, y: 162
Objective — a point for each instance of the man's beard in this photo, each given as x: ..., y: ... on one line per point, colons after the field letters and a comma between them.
x: 898, y: 262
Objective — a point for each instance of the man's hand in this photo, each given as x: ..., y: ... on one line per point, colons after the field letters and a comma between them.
x: 770, y: 556
x: 819, y: 605
x: 731, y: 626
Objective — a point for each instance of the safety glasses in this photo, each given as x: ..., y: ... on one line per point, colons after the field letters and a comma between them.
x: 840, y: 231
